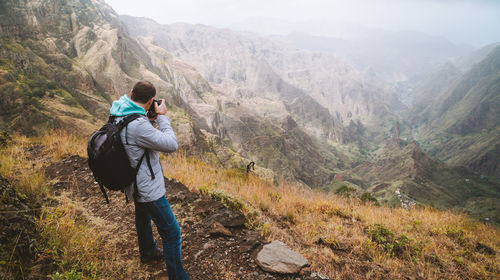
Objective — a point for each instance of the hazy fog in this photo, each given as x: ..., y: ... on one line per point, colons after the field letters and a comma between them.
x: 475, y: 22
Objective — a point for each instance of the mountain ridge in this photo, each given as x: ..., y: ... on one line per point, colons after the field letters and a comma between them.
x: 461, y: 125
x: 234, y: 69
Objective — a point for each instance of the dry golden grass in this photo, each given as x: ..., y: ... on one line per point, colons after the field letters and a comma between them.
x: 83, y: 246
x: 23, y: 159
x: 426, y: 243
x: 59, y: 144
x: 341, y: 237
x: 68, y: 242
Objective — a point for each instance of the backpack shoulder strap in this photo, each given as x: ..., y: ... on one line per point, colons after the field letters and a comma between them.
x: 111, y: 119
x: 136, y: 190
x: 126, y: 120
x: 146, y: 154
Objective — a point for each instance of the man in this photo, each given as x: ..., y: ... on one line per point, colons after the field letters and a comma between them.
x: 139, y: 138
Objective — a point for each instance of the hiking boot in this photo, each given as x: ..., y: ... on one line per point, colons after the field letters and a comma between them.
x: 157, y: 255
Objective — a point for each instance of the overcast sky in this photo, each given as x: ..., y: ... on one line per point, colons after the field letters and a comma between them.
x: 475, y: 22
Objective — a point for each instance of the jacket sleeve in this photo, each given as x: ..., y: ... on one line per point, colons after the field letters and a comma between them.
x: 162, y: 139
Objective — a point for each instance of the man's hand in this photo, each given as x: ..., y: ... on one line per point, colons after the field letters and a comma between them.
x: 162, y: 108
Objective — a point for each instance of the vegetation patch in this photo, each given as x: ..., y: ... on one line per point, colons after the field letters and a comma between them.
x: 368, y: 197
x: 458, y: 235
x: 274, y: 196
x: 345, y: 190
x: 329, y: 210
x: 226, y: 199
x: 237, y: 172
x: 396, y: 245
x: 330, y: 242
x: 65, y: 233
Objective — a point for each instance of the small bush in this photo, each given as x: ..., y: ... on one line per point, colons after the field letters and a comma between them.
x: 69, y: 100
x: 388, y: 241
x: 264, y: 205
x: 204, y: 190
x: 5, y: 139
x: 345, y: 190
x: 32, y: 182
x: 330, y: 242
x: 330, y: 210
x: 458, y: 235
x: 274, y: 196
x: 266, y: 230
x: 227, y: 200
x: 368, y: 197
x: 253, y: 219
x: 51, y: 85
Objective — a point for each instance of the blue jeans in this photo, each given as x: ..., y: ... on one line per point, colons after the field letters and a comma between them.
x: 159, y: 211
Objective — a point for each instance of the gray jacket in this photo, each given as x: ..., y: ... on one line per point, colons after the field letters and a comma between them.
x: 138, y: 136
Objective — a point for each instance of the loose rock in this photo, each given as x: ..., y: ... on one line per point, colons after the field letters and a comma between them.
x: 217, y: 229
x: 278, y: 257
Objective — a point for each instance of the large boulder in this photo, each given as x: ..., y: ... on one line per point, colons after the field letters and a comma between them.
x: 278, y: 257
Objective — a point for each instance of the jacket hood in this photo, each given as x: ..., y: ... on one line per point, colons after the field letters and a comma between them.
x: 124, y: 106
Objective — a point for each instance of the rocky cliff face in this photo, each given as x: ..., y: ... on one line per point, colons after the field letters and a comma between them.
x: 250, y: 68
x: 227, y: 61
x: 63, y: 62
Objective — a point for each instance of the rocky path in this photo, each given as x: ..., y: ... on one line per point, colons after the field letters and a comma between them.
x: 216, y: 244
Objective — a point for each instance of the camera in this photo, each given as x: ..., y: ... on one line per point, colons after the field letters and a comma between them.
x: 151, y: 111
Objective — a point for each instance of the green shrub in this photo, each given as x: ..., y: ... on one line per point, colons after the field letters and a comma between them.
x: 226, y: 199
x: 69, y: 100
x: 368, y: 197
x: 67, y: 275
x: 395, y: 245
x: 204, y: 190
x: 345, y: 190
x: 51, y: 85
x: 458, y: 235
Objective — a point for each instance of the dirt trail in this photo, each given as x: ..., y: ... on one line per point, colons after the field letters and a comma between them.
x: 205, y: 256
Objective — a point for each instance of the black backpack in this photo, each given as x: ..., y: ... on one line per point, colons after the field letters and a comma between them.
x: 108, y: 160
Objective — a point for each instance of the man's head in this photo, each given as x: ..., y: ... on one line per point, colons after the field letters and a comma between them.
x: 142, y: 92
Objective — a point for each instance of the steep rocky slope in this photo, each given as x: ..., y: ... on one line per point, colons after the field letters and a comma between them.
x: 77, y: 53
x: 341, y: 237
x: 406, y: 175
x: 251, y: 67
x: 461, y: 125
